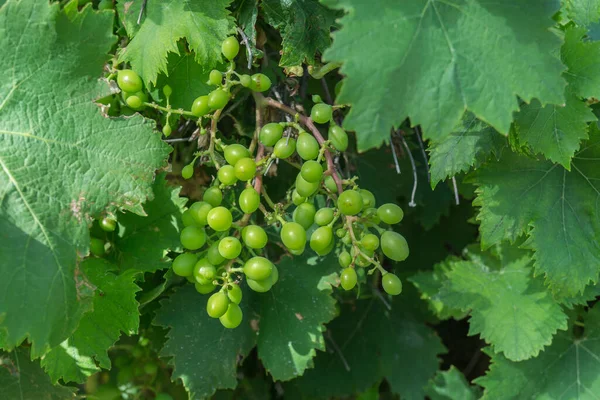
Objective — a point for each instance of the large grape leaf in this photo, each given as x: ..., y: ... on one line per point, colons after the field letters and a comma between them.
x: 432, y: 60
x: 204, y: 353
x: 142, y: 242
x: 509, y: 308
x: 368, y: 342
x: 583, y: 12
x: 583, y: 59
x: 115, y: 311
x: 558, y: 209
x: 568, y: 369
x: 304, y: 25
x: 61, y: 162
x: 293, y: 314
x: 21, y: 378
x: 203, y: 23
x: 451, y: 385
x: 469, y: 145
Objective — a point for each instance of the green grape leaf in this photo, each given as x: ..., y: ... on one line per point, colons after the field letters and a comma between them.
x: 583, y: 60
x: 293, y: 314
x: 203, y: 353
x: 304, y: 25
x: 21, y: 378
x: 368, y: 342
x: 441, y: 59
x: 469, y: 145
x: 143, y: 241
x: 556, y: 208
x: 115, y: 311
x: 591, y: 292
x: 61, y: 161
x: 583, y: 12
x: 451, y: 385
x: 203, y: 23
x: 566, y: 370
x: 509, y: 309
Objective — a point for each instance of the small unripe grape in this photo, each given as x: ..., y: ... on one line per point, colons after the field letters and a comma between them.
x: 166, y: 130
x: 213, y: 196
x: 204, y: 271
x: 321, y: 113
x: 391, y: 284
x: 135, y: 101
x: 260, y: 286
x: 258, y: 268
x: 235, y: 152
x: 368, y: 199
x: 394, y: 246
x: 350, y: 202
x: 192, y: 237
x: 230, y: 48
x: 220, y: 219
x: 249, y: 200
x: 348, y: 278
x: 245, y: 169
x: 370, y: 242
x: 226, y: 175
x: 254, y: 237
x: 297, y: 199
x: 167, y: 90
x: 293, y: 236
x: 297, y: 252
x: 390, y: 213
x: 230, y: 247
x: 183, y: 264
x: 199, y: 211
x: 217, y: 305
x: 284, y: 148
x: 204, y: 289
x: 215, y: 77
x: 304, y: 214
x: 187, y: 172
x: 341, y: 232
x: 270, y: 134
x: 321, y: 239
x: 187, y: 218
x: 218, y: 99
x: 108, y: 224
x: 200, y: 106
x: 338, y: 138
x: 311, y: 171
x: 324, y: 216
x: 245, y: 80
x: 305, y: 188
x: 260, y: 83
x: 129, y: 81
x: 307, y: 146
x: 235, y: 294
x: 344, y: 259
x: 330, y: 184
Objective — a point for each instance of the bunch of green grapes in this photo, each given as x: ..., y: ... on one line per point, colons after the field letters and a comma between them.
x: 222, y: 253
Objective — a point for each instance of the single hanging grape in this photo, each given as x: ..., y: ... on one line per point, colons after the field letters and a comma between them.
x: 213, y: 196
x: 217, y: 305
x: 338, y: 138
x: 270, y: 134
x: 108, y: 224
x: 129, y: 81
x: 348, y: 278
x: 230, y: 48
x: 391, y: 284
x: 183, y: 264
x: 307, y: 146
x: 233, y: 317
x: 321, y: 113
x: 350, y: 202
x: 394, y: 246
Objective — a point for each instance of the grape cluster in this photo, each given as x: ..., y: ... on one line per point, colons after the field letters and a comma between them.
x: 221, y: 252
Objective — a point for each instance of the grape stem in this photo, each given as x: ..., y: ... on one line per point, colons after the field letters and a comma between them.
x: 169, y: 109
x: 323, y: 70
x: 213, y: 137
x: 306, y: 121
x: 358, y: 251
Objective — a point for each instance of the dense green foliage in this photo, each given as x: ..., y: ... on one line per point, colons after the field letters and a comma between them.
x: 299, y: 199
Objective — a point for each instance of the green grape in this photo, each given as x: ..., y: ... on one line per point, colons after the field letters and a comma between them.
x: 391, y: 284
x: 249, y: 200
x: 235, y: 152
x: 226, y: 175
x: 105, y: 5
x: 260, y: 286
x: 245, y: 80
x: 371, y: 215
x: 350, y: 202
x: 167, y: 90
x: 321, y: 239
x: 297, y: 252
x: 305, y: 188
x: 213, y: 256
x: 346, y: 239
x: 245, y: 169
x: 213, y: 196
x: 368, y: 199
x: 307, y: 146
x: 338, y: 88
x: 218, y: 99
x: 183, y: 264
x: 338, y: 138
x: 204, y: 271
x: 129, y: 81
x: 297, y: 199
x: 220, y: 219
x: 260, y: 83
x: 345, y: 259
x: 187, y: 172
x: 187, y: 218
x: 192, y: 237
x: 254, y: 237
x: 270, y: 134
x: 341, y: 232
x: 348, y: 278
x: 217, y: 305
x: 258, y: 268
x: 230, y: 48
x: 166, y: 130
x: 134, y: 101
x: 230, y: 247
x: 304, y: 214
x: 316, y: 98
x: 215, y: 77
x: 233, y: 317
x: 370, y: 242
x: 204, y: 289
x: 390, y: 213
x: 235, y: 294
x: 97, y: 247
x: 394, y: 246
x: 324, y: 216
x: 200, y: 106
x: 293, y: 236
x: 191, y: 279
x: 321, y: 113
x: 312, y: 171
x: 326, y: 250
x: 284, y: 148
x: 108, y: 224
x: 274, y: 275
x: 199, y: 211
x: 330, y: 184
